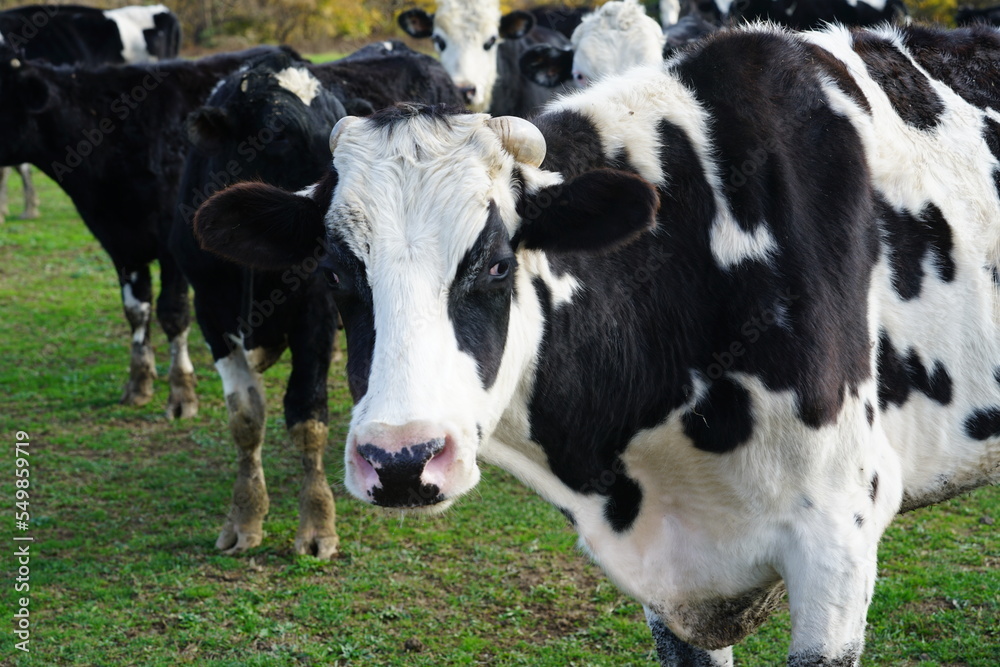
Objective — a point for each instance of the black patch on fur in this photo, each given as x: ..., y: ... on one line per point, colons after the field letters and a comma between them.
x: 869, y: 413
x: 898, y: 375
x: 353, y: 296
x: 572, y: 142
x: 401, y: 113
x: 908, y: 90
x: 859, y: 520
x: 967, y: 60
x: 399, y: 474
x: 873, y: 488
x: 624, y: 500
x: 569, y: 515
x: 983, y: 423
x: 479, y: 304
x: 908, y: 239
x: 722, y: 419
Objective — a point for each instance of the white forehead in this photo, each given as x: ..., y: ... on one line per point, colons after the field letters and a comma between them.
x: 472, y: 20
x: 615, y: 37
x: 298, y: 81
x: 419, y: 188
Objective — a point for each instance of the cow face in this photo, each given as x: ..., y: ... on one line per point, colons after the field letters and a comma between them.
x: 466, y: 36
x: 433, y: 225
x: 608, y: 41
x: 269, y: 121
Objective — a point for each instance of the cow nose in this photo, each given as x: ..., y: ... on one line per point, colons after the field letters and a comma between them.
x: 468, y: 93
x: 397, y: 467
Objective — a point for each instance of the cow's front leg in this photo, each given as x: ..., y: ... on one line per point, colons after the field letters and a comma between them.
x: 673, y: 652
x: 311, y: 339
x: 30, y: 194
x: 137, y: 297
x: 174, y: 314
x: 244, y: 527
x: 830, y: 583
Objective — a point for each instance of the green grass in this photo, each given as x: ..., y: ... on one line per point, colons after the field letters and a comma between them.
x: 126, y: 506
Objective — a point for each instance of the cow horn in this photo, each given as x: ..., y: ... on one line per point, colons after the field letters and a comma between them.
x: 339, y: 128
x: 520, y: 138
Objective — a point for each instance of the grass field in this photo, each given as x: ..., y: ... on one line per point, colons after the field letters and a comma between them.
x: 125, y: 507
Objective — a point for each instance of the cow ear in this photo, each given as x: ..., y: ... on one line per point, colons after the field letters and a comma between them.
x: 547, y: 65
x: 516, y: 24
x: 261, y: 226
x: 416, y: 23
x: 36, y: 94
x: 595, y: 212
x: 208, y: 128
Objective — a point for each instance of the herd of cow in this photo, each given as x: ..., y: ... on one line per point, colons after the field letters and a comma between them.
x: 729, y: 299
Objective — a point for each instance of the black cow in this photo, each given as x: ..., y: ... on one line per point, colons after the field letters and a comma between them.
x: 971, y: 15
x: 71, y: 35
x: 113, y: 138
x: 559, y: 18
x: 481, y: 51
x: 271, y: 122
x: 730, y: 315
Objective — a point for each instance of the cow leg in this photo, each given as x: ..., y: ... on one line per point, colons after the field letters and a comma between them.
x: 30, y: 194
x: 311, y: 341
x: 674, y: 652
x: 174, y: 313
x: 137, y: 297
x: 830, y: 583
x: 247, y: 417
x: 4, y: 177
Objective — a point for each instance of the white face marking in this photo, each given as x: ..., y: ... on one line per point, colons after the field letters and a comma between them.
x: 612, y: 39
x: 131, y: 22
x: 300, y: 82
x: 465, y: 26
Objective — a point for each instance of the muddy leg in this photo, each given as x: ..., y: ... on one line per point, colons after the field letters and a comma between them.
x: 673, y: 652
x: 174, y: 313
x: 30, y: 194
x: 137, y: 298
x: 247, y: 417
x: 317, y: 534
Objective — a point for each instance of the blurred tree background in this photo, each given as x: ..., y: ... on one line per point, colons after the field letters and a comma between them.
x: 318, y: 24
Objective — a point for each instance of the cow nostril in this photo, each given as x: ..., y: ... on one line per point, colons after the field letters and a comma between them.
x: 468, y: 93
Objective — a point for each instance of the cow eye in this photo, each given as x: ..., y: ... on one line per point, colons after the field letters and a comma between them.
x: 489, y: 43
x: 500, y: 270
x: 438, y: 42
x: 332, y: 279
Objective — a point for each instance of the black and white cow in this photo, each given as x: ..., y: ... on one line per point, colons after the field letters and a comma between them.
x: 798, y: 14
x: 76, y: 35
x: 731, y: 314
x: 608, y: 41
x: 271, y: 122
x: 481, y: 51
x: 72, y: 35
x: 113, y: 138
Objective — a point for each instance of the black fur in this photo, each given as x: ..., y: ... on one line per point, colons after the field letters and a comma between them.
x: 722, y: 419
x: 800, y: 14
x: 983, y: 423
x: 899, y: 375
x: 909, y: 239
x: 908, y: 90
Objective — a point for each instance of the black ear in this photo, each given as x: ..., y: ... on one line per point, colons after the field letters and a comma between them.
x: 36, y: 95
x: 516, y: 24
x: 261, y: 226
x: 547, y: 65
x: 208, y: 129
x: 416, y: 23
x: 595, y: 212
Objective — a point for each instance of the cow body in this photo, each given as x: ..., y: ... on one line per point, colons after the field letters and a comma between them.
x: 743, y: 313
x: 271, y: 122
x: 70, y: 35
x: 481, y: 51
x: 112, y: 137
x: 798, y: 14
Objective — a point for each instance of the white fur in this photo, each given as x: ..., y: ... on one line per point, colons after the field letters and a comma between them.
x: 670, y: 12
x: 300, y: 82
x: 138, y: 311
x: 132, y: 20
x: 465, y: 26
x: 238, y: 376
x: 616, y: 36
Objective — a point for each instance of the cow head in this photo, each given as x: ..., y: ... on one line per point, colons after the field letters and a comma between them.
x: 25, y: 93
x: 608, y: 41
x: 269, y: 120
x: 434, y: 224
x: 466, y: 34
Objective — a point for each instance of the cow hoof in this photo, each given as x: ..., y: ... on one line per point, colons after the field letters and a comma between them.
x: 325, y: 547
x: 232, y: 541
x: 183, y: 401
x: 30, y: 215
x: 138, y: 393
